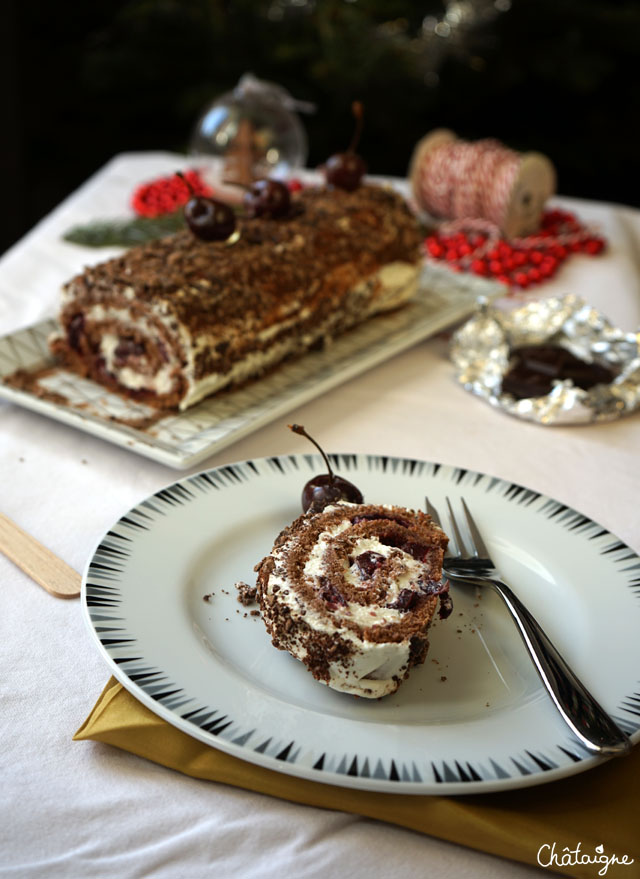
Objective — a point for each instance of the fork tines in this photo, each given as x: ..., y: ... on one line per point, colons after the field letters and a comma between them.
x: 477, y: 545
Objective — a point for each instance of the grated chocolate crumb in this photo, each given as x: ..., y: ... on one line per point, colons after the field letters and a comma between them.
x: 246, y: 594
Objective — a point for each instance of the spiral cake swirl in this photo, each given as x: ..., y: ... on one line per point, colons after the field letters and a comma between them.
x: 351, y: 592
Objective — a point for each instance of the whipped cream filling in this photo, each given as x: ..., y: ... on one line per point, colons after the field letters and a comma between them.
x: 251, y: 365
x: 373, y: 673
x: 395, y: 284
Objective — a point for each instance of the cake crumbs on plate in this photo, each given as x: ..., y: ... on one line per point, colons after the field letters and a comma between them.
x: 246, y: 594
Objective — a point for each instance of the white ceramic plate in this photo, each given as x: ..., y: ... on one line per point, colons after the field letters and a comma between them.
x: 473, y: 718
x: 184, y: 439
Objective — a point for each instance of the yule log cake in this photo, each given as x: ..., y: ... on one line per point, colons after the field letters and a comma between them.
x: 177, y: 319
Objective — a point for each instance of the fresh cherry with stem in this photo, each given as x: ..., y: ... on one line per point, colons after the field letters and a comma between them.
x: 346, y: 170
x: 208, y: 219
x: 326, y: 488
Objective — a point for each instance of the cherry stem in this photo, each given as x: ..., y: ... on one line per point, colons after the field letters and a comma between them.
x: 237, y: 210
x: 186, y: 182
x: 299, y: 429
x: 358, y: 111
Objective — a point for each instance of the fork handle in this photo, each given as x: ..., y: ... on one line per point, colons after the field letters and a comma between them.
x: 584, y: 715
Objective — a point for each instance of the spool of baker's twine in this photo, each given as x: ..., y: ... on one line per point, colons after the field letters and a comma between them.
x: 458, y: 180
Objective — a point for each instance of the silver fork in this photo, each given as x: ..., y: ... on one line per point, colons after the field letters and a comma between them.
x: 583, y: 714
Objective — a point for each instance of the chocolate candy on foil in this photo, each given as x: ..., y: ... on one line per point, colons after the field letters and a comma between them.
x: 555, y: 361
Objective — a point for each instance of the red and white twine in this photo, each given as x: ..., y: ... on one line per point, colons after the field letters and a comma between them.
x: 458, y: 180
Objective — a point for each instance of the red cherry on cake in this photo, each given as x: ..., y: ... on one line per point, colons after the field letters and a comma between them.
x: 208, y: 219
x: 267, y: 198
x: 346, y: 170
x: 326, y: 488
x: 320, y: 492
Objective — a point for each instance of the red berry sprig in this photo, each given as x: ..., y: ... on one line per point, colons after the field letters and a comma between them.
x: 166, y: 194
x: 520, y: 263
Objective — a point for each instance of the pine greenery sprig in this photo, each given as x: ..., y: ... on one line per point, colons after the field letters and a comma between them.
x: 125, y: 233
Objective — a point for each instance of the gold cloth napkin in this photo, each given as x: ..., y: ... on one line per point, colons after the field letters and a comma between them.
x: 600, y: 807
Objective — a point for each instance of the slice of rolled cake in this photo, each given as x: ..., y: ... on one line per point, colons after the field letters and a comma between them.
x: 351, y: 592
x: 175, y: 320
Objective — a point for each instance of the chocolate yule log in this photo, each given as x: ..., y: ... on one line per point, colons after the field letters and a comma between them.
x: 177, y: 319
x: 351, y: 591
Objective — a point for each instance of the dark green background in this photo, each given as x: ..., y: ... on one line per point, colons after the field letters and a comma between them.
x: 82, y: 81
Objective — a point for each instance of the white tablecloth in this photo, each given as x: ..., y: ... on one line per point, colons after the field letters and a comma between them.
x: 87, y: 810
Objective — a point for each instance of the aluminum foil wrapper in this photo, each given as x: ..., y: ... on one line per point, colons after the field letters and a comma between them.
x: 481, y: 348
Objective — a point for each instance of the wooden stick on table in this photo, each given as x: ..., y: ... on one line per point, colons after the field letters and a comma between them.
x: 37, y: 561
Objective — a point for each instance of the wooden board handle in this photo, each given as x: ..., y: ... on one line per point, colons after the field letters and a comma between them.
x: 37, y: 561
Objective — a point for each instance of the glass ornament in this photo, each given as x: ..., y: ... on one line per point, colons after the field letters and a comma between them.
x: 251, y: 132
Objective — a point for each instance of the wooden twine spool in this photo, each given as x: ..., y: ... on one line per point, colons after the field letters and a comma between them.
x: 456, y: 180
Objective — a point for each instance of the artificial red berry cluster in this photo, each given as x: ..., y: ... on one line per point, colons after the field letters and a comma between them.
x: 522, y: 262
x: 166, y: 194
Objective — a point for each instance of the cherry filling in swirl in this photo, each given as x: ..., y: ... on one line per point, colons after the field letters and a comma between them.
x: 378, y: 561
x: 407, y: 598
x: 368, y: 563
x: 331, y: 595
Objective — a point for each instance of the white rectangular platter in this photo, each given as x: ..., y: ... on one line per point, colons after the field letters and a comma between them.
x: 182, y: 440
